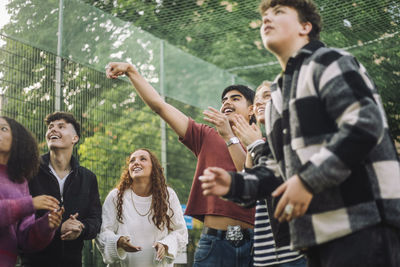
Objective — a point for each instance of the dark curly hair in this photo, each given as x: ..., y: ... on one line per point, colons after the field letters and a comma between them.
x: 306, y: 9
x: 160, y: 196
x: 68, y: 117
x: 23, y: 162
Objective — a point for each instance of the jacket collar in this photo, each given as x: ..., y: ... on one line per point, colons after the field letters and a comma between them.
x: 309, y: 48
x: 45, y: 160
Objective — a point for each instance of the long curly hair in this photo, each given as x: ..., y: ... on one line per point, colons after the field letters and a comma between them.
x: 23, y: 162
x: 160, y: 196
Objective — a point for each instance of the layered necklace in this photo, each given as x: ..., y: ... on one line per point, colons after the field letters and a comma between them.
x: 133, y: 202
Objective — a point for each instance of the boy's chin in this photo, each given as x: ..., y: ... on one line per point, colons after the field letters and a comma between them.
x: 54, y: 146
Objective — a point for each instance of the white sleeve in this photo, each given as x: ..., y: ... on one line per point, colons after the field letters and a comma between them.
x: 106, y: 240
x: 176, y: 239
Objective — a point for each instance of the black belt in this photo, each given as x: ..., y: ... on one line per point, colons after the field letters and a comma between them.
x: 234, y: 234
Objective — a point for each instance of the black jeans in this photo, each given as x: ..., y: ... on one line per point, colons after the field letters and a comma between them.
x: 375, y: 246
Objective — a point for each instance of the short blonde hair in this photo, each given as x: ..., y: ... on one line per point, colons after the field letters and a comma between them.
x: 264, y: 84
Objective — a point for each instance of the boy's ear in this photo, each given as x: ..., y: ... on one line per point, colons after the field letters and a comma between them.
x: 251, y: 112
x: 306, y: 28
x: 75, y: 139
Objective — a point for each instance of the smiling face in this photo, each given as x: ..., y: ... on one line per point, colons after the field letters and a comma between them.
x: 61, y: 134
x: 263, y: 94
x: 281, y: 29
x: 5, y: 139
x: 140, y: 164
x: 235, y: 103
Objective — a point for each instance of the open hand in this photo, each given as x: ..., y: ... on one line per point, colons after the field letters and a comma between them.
x: 124, y: 243
x: 215, y: 181
x: 220, y: 121
x: 161, y: 251
x: 246, y: 133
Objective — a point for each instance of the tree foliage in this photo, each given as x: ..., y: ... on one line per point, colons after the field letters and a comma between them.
x: 224, y: 33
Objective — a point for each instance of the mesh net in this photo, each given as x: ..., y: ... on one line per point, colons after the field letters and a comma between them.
x: 226, y: 33
x: 94, y: 38
x: 208, y: 46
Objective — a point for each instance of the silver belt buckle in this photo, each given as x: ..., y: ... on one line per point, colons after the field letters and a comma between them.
x: 234, y: 234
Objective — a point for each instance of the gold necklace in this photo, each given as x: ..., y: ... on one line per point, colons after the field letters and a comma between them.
x: 133, y: 202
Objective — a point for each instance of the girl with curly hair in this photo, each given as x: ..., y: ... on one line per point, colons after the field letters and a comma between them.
x: 142, y: 216
x: 19, y: 161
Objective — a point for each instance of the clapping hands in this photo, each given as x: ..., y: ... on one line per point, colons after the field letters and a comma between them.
x: 246, y: 133
x: 71, y: 228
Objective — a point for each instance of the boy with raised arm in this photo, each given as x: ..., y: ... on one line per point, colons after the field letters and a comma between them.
x: 226, y: 225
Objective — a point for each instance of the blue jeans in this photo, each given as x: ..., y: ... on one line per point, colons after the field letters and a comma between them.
x: 215, y: 251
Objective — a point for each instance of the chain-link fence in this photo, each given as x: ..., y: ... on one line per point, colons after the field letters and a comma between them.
x: 52, y: 57
x: 53, y: 53
x: 114, y: 119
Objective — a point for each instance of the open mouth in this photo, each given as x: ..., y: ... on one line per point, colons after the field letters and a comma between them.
x: 137, y: 169
x: 267, y: 29
x: 260, y: 110
x: 54, y: 137
x: 228, y: 111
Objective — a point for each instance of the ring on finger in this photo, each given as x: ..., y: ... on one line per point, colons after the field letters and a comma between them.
x: 288, y: 209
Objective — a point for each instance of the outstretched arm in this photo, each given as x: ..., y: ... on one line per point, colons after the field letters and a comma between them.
x: 244, y: 188
x: 175, y: 118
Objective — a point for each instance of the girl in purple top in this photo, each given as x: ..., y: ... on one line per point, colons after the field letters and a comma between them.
x: 19, y: 161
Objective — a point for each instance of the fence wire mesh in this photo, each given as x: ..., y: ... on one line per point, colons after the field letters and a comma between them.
x: 208, y: 46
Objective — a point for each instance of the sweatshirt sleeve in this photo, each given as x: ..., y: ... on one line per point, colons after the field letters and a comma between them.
x: 107, y: 239
x: 34, y: 235
x: 176, y: 239
x: 13, y: 210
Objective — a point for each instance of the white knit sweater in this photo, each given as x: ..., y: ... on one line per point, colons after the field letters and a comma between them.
x: 141, y: 229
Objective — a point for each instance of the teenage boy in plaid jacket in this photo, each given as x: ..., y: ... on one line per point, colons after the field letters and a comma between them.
x: 327, y: 131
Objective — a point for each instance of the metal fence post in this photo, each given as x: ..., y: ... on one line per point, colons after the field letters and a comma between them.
x: 162, y: 126
x: 57, y: 96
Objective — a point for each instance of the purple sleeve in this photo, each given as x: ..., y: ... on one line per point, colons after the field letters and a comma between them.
x: 13, y: 210
x: 34, y: 234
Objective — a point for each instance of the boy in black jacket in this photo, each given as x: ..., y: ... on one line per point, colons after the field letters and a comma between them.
x: 61, y: 176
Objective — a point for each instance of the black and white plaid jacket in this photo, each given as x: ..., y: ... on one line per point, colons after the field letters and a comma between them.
x: 326, y: 123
